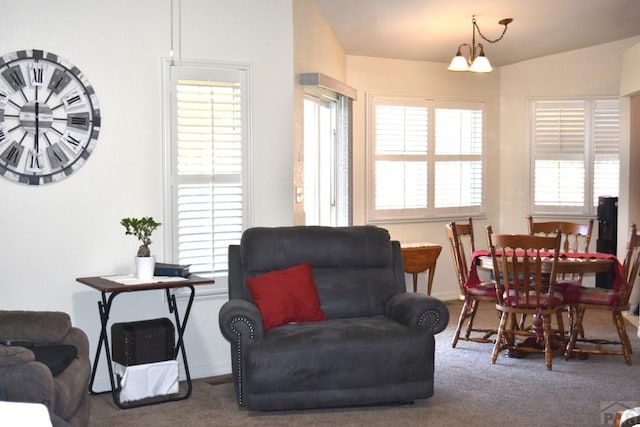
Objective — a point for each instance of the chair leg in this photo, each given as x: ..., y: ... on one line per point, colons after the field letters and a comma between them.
x: 624, y: 338
x: 468, y: 315
x: 576, y: 327
x: 500, y: 336
x: 570, y: 317
x: 464, y: 313
x: 548, y: 350
x: 572, y: 314
x: 472, y: 316
x: 581, y: 329
x: 626, y: 342
x: 561, y: 334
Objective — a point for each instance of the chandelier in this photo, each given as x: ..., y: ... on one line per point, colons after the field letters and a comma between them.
x: 476, y: 61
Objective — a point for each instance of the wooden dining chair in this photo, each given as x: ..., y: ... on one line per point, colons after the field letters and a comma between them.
x: 462, y: 245
x: 576, y: 237
x: 616, y: 301
x: 525, y: 288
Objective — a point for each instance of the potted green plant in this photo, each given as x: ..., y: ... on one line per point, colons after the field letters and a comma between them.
x: 142, y: 229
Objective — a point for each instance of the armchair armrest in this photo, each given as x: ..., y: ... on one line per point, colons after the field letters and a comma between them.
x: 240, y: 321
x: 78, y: 338
x: 420, y: 310
x: 22, y: 379
x: 14, y: 355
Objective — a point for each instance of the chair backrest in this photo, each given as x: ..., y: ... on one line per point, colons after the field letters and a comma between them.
x: 356, y: 269
x: 576, y: 237
x: 631, y: 266
x: 524, y: 270
x: 461, y: 242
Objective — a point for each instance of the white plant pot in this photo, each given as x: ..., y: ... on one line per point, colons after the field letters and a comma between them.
x: 145, y: 266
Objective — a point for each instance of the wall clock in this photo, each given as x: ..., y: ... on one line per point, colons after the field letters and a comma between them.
x: 49, y: 117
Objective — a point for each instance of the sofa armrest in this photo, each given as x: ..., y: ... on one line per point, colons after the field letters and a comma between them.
x: 240, y: 321
x: 78, y: 338
x: 14, y: 355
x: 413, y: 309
x: 22, y: 379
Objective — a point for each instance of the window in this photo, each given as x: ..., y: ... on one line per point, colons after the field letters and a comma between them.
x: 327, y: 160
x: 325, y: 187
x: 425, y: 158
x: 205, y: 164
x: 319, y: 161
x: 574, y: 155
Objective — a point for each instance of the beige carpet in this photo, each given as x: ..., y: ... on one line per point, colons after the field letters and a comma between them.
x: 469, y: 390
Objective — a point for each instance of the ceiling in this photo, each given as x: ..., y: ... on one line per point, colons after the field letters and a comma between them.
x: 431, y: 30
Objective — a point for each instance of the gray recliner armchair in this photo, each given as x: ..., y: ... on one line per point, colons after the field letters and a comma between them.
x: 25, y: 379
x: 376, y: 346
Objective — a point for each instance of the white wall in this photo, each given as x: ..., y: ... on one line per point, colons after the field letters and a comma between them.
x: 629, y: 76
x: 69, y: 229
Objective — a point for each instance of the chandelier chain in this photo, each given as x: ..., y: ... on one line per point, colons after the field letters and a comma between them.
x: 486, y: 39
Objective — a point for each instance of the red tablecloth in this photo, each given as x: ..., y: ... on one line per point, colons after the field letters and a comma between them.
x: 474, y: 280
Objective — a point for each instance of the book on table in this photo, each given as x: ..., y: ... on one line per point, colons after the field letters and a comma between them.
x: 172, y: 270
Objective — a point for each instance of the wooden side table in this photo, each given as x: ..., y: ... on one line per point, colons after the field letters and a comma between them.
x: 419, y: 257
x: 109, y: 289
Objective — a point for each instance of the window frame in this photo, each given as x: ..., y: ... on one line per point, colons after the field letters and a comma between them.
x: 430, y: 212
x: 169, y: 164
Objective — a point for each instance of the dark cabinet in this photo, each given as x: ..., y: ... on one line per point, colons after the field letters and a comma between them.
x: 607, y: 235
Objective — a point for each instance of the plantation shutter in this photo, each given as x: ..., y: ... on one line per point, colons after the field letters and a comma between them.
x: 459, y: 138
x: 401, y: 130
x: 606, y: 141
x: 575, y: 146
x: 559, y: 135
x: 209, y: 192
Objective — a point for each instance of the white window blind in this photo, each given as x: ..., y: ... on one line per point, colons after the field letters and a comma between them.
x: 458, y: 157
x: 606, y: 139
x: 400, y: 172
x: 423, y: 160
x: 209, y: 140
x: 574, y: 154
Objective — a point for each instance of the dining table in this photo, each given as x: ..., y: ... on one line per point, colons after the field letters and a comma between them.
x: 569, y: 263
x: 419, y: 257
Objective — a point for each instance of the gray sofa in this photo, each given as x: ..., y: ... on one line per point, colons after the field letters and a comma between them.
x: 23, y: 379
x: 376, y: 346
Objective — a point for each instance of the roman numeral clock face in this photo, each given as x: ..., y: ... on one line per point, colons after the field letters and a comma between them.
x: 49, y: 117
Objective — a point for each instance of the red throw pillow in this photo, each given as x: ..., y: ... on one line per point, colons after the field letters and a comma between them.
x: 285, y: 296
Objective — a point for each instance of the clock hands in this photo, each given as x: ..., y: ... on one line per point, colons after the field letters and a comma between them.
x: 37, y: 134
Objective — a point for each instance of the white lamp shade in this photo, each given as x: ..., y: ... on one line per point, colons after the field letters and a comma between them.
x: 481, y: 65
x: 459, y: 63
